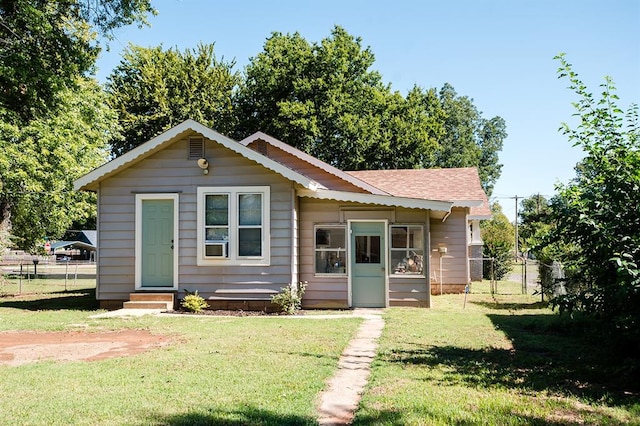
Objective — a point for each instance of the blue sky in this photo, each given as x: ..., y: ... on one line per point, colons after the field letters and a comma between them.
x: 498, y: 52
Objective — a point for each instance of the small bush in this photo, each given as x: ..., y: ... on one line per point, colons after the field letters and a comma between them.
x: 193, y: 302
x: 290, y: 298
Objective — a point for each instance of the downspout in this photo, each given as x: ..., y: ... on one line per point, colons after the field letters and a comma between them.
x: 428, y: 257
x: 98, y: 231
x: 294, y: 239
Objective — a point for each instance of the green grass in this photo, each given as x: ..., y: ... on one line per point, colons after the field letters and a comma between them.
x: 57, y: 301
x: 503, y: 359
x: 498, y: 359
x: 51, y: 278
x: 218, y: 370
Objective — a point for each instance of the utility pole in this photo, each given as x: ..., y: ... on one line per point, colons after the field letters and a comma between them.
x: 516, y: 198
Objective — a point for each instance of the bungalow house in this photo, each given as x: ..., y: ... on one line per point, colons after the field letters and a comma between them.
x: 192, y: 209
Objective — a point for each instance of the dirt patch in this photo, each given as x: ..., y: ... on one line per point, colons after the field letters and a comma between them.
x: 18, y: 348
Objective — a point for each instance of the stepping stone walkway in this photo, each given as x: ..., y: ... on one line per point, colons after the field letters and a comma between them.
x: 339, y: 403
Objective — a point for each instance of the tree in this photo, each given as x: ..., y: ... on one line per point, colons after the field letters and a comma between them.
x: 322, y: 98
x: 535, y: 231
x: 534, y: 223
x: 52, y: 118
x: 40, y: 161
x: 598, y: 211
x: 325, y: 99
x: 469, y: 140
x: 154, y: 89
x: 498, y: 238
x: 46, y: 45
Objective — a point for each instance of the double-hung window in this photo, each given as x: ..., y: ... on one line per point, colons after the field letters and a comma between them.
x: 331, y: 249
x: 407, y: 249
x: 233, y: 225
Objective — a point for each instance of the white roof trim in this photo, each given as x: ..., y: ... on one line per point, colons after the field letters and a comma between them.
x: 313, y: 161
x: 479, y: 216
x: 467, y: 203
x: 91, y: 179
x: 385, y: 200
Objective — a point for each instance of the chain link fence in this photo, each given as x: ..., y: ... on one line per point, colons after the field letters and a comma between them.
x: 45, y: 276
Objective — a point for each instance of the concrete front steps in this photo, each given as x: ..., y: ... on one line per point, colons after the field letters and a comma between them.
x: 164, y: 301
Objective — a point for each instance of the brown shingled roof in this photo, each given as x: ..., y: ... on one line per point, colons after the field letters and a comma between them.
x: 456, y: 184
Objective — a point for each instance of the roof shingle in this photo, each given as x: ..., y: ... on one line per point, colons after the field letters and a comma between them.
x: 454, y: 184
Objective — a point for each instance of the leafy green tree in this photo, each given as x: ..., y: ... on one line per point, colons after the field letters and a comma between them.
x: 52, y: 119
x: 534, y: 223
x: 498, y: 239
x: 154, y: 89
x: 46, y: 45
x: 322, y: 98
x: 469, y: 140
x: 40, y: 161
x: 598, y: 212
x: 325, y: 98
x: 537, y: 226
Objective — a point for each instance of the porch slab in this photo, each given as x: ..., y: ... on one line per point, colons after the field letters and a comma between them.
x: 128, y: 313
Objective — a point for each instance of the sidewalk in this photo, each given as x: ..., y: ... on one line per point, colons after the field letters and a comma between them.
x: 340, y: 401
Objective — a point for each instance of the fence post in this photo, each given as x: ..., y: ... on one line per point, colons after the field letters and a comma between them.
x: 493, y: 279
x: 20, y: 286
x: 524, y: 282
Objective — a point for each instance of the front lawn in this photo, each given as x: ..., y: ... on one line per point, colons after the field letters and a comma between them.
x: 503, y: 359
x: 218, y: 370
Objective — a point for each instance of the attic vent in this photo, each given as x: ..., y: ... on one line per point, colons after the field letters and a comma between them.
x: 196, y: 148
x: 262, y: 147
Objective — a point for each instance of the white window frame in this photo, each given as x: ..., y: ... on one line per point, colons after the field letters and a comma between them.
x: 329, y: 250
x: 232, y: 257
x: 405, y: 249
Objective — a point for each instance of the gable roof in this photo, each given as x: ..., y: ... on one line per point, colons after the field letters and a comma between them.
x: 86, y: 239
x: 435, y: 189
x: 316, y: 163
x: 459, y: 185
x: 91, y: 180
x: 374, y: 194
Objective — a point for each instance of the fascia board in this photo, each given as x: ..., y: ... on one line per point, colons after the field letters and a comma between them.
x: 314, y: 161
x: 91, y: 179
x: 384, y: 200
x: 467, y: 203
x: 479, y: 217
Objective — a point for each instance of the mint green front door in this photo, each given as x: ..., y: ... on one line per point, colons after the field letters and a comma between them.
x: 157, y: 243
x: 368, y: 265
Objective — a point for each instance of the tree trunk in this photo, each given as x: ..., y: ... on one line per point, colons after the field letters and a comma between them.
x: 5, y: 224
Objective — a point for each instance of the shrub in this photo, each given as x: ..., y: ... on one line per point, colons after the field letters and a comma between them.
x: 290, y: 298
x: 193, y: 302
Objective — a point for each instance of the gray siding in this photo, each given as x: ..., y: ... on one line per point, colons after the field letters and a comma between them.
x: 332, y: 292
x: 322, y: 291
x: 411, y: 290
x: 452, y: 233
x: 170, y: 171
